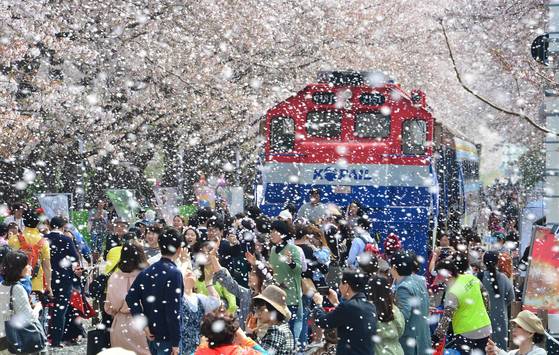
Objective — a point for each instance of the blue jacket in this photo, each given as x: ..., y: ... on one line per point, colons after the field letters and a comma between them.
x: 358, y: 247
x: 356, y: 323
x: 80, y: 241
x: 412, y: 299
x: 157, y: 294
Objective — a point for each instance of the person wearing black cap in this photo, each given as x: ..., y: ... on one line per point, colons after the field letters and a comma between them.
x: 313, y: 210
x: 153, y: 295
x: 64, y: 260
x: 31, y: 242
x: 355, y: 319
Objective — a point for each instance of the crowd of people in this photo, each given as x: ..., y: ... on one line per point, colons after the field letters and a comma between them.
x: 311, y: 281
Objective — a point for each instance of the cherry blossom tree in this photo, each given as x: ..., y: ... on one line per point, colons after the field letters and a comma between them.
x: 92, y: 92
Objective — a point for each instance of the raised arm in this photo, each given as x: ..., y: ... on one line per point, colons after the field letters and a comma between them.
x: 222, y: 275
x: 450, y: 307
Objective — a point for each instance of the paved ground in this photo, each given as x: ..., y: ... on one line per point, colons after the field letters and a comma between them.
x: 74, y: 350
x: 80, y: 349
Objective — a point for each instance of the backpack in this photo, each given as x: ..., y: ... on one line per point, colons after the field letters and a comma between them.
x: 370, y: 247
x: 33, y: 253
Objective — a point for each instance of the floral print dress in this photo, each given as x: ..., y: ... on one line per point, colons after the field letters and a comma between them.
x: 193, y: 309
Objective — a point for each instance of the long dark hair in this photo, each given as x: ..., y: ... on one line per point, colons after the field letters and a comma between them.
x: 382, y: 297
x: 490, y: 259
x: 360, y: 208
x: 132, y: 257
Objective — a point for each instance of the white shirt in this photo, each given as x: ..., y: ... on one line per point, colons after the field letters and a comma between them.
x: 22, y: 308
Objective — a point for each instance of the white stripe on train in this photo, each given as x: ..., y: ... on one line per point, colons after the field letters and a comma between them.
x: 347, y: 174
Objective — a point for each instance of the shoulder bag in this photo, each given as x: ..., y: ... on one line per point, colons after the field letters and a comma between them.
x: 24, y: 338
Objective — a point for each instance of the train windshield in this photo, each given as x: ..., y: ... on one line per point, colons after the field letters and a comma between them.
x: 282, y: 134
x: 372, y: 125
x: 324, y: 124
x: 414, y: 137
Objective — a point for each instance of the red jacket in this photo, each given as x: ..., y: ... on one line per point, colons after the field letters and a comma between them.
x: 227, y: 350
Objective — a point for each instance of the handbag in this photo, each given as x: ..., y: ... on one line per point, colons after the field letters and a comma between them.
x: 3, y: 343
x: 80, y: 303
x: 26, y: 338
x: 98, y: 286
x: 97, y: 341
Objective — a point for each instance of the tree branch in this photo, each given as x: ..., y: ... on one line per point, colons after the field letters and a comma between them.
x: 549, y: 80
x: 529, y: 119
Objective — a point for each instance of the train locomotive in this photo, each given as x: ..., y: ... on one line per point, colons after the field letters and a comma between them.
x: 360, y: 136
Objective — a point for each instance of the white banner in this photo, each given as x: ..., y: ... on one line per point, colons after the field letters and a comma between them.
x: 234, y: 196
x: 55, y: 205
x: 124, y: 203
x: 167, y: 200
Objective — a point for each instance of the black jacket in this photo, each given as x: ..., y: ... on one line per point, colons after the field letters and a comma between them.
x: 356, y: 323
x: 63, y: 253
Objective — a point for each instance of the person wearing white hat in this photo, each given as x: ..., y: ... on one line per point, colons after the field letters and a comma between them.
x: 286, y: 216
x: 527, y: 331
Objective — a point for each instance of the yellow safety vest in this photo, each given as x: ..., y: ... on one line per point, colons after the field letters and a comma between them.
x: 471, y: 313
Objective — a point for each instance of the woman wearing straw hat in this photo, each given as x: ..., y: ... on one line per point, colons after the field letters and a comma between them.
x: 527, y: 332
x: 271, y: 311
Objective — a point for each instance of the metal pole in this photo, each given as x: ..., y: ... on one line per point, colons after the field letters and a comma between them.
x: 180, y: 179
x: 551, y: 101
x: 80, y: 190
x: 238, y: 165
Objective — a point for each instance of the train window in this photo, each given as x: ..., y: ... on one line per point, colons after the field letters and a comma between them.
x: 324, y: 124
x: 372, y: 125
x: 414, y: 137
x: 282, y: 134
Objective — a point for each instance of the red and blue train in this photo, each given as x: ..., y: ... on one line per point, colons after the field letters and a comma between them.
x: 359, y: 136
